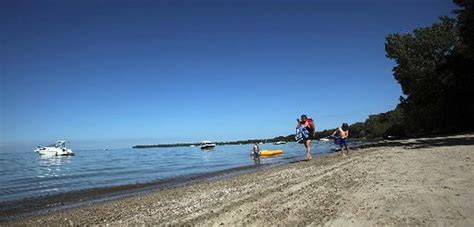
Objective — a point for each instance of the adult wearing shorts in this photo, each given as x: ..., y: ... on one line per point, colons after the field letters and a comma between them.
x: 340, y: 137
x: 308, y: 123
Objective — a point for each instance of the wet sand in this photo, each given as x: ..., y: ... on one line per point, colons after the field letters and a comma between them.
x: 406, y: 182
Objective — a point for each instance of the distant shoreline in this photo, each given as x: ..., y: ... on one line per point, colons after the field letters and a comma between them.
x: 240, y: 142
x: 198, y: 144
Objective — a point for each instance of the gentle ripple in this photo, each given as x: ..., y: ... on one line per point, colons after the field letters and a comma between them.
x: 24, y: 174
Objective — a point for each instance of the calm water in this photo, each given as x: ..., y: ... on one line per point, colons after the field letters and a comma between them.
x: 25, y: 174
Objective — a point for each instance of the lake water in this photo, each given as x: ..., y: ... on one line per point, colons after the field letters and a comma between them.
x: 25, y: 174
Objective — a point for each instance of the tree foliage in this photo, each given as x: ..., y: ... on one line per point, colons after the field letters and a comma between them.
x: 465, y: 23
x: 435, y: 74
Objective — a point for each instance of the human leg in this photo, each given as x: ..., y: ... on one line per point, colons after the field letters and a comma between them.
x: 345, y: 145
x: 307, y: 144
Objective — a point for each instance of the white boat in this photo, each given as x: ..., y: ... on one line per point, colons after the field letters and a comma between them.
x: 324, y: 139
x: 207, y: 145
x: 57, y: 149
x: 279, y: 142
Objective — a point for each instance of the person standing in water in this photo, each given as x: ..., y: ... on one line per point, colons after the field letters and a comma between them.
x: 255, y: 150
x: 340, y: 136
x: 307, y: 123
x: 256, y: 154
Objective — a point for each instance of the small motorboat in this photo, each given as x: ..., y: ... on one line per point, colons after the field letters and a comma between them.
x: 324, y: 139
x: 207, y: 145
x: 57, y: 149
x: 279, y: 142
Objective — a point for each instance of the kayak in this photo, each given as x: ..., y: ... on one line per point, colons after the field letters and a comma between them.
x: 270, y: 152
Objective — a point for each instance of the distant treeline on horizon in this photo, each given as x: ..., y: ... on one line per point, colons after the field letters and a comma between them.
x: 289, y: 138
x: 250, y: 141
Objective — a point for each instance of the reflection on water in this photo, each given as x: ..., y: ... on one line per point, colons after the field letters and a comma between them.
x: 206, y: 155
x: 256, y: 160
x: 53, y: 160
x: 271, y: 156
x: 53, y: 165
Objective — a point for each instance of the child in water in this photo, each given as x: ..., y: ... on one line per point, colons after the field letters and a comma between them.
x: 256, y: 154
x: 340, y: 136
x: 255, y: 150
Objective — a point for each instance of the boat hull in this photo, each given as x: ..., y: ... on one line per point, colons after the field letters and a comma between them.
x: 270, y: 152
x: 55, y: 152
x: 206, y: 147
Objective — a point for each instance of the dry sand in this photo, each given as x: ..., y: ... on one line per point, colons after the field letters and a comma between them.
x: 409, y: 182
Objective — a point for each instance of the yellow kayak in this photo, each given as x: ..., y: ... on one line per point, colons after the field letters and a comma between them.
x: 270, y: 152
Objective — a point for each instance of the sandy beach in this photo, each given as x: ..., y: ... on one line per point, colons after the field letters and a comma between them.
x: 407, y: 182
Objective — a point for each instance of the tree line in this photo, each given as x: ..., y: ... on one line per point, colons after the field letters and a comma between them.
x: 435, y: 69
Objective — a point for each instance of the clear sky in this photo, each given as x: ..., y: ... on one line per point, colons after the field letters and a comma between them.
x: 177, y: 71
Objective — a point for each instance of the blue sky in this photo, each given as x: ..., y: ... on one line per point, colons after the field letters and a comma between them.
x: 128, y: 72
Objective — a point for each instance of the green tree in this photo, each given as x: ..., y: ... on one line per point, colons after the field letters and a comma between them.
x: 465, y: 24
x: 461, y: 66
x: 425, y: 74
x: 357, y: 130
x: 377, y: 125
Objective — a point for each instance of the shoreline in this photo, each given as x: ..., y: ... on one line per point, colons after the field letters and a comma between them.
x: 376, y: 184
x: 12, y: 210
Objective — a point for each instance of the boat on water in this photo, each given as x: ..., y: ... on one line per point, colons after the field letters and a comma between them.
x: 324, y: 139
x: 270, y: 152
x: 207, y: 145
x: 57, y: 149
x: 279, y: 142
